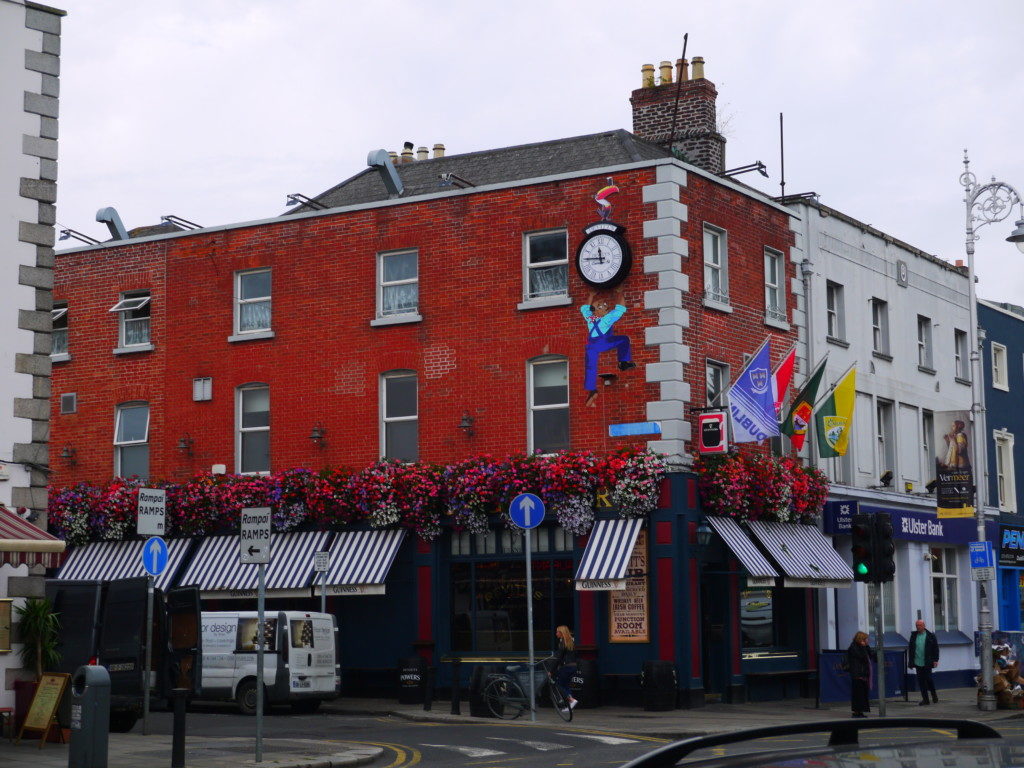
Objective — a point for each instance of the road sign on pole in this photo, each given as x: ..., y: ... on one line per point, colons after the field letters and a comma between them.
x: 254, y: 536
x: 526, y: 510
x: 152, y: 512
x: 154, y: 556
x: 982, y: 554
x: 322, y: 564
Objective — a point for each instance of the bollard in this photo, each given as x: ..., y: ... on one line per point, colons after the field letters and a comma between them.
x: 178, y: 738
x: 456, y: 689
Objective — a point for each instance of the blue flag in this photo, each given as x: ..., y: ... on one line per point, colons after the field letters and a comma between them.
x: 751, y: 401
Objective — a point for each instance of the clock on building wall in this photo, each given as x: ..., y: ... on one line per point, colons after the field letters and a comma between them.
x: 604, y: 259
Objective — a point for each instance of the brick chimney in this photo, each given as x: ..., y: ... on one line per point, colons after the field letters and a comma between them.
x: 696, y: 136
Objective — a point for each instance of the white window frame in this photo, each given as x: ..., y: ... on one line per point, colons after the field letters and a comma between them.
x: 835, y: 318
x: 722, y: 371
x: 1000, y: 372
x: 961, y: 355
x: 716, y: 243
x: 529, y: 267
x: 928, y: 443
x: 382, y: 285
x: 385, y: 451
x: 924, y: 343
x: 1006, y: 475
x: 943, y: 571
x: 880, y: 326
x: 59, y: 333
x: 533, y: 407
x: 128, y: 305
x: 774, y: 288
x: 119, y: 444
x: 240, y: 302
x: 241, y: 430
x: 885, y: 414
x: 890, y: 605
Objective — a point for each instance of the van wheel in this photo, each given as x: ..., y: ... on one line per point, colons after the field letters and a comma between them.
x: 305, y: 706
x: 245, y: 697
x: 122, y: 720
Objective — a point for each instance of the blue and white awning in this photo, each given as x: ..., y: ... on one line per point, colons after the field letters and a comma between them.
x: 112, y: 560
x: 761, y: 573
x: 606, y: 557
x: 804, y: 554
x: 217, y: 571
x: 360, y: 561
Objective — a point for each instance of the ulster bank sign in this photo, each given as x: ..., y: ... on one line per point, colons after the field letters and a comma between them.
x: 911, y: 525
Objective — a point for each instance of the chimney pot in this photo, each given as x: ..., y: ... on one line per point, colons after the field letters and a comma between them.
x: 647, y: 76
x: 698, y: 67
x: 438, y: 150
x: 421, y: 153
x: 682, y: 70
x: 407, y: 152
x: 666, y: 72
x: 394, y: 157
x: 959, y: 263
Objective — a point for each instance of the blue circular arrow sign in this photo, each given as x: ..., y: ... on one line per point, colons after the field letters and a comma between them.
x: 526, y: 510
x: 154, y: 556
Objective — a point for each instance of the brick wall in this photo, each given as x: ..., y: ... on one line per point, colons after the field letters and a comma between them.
x: 696, y: 134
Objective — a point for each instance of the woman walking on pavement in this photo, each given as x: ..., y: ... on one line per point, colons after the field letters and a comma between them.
x: 565, y: 663
x: 858, y: 663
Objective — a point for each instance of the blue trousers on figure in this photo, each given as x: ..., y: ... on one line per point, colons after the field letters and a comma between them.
x: 598, y: 344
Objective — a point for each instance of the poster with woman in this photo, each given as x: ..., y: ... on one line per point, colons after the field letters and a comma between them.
x: 954, y: 474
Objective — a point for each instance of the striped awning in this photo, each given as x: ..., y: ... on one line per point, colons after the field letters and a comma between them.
x: 23, y: 543
x: 761, y: 573
x: 112, y: 560
x: 804, y: 554
x: 604, y: 562
x: 217, y: 571
x: 360, y: 561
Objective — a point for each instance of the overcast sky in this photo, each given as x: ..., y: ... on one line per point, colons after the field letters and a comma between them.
x: 214, y: 110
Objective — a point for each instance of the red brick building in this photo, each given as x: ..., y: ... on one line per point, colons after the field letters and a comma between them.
x: 430, y: 310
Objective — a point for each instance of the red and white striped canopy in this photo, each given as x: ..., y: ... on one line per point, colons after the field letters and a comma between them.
x: 21, y: 542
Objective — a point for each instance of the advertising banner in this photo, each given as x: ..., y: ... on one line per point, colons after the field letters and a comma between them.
x: 628, y: 608
x: 1011, y: 546
x: 954, y: 473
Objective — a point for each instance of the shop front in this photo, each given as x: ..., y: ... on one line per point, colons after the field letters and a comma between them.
x: 1011, y: 577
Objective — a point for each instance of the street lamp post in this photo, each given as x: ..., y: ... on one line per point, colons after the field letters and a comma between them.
x: 985, y: 204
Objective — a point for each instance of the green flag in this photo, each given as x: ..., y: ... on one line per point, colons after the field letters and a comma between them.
x: 798, y: 419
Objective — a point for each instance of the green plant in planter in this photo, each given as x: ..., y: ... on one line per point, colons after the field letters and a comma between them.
x: 39, y: 626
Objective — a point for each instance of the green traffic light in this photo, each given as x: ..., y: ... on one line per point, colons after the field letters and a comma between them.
x: 862, y: 569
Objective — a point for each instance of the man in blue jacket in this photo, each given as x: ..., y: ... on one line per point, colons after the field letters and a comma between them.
x: 923, y: 656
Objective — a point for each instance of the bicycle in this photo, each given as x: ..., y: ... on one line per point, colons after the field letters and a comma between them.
x: 507, y: 700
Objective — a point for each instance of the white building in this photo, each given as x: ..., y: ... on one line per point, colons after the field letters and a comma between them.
x: 29, y: 71
x: 902, y: 316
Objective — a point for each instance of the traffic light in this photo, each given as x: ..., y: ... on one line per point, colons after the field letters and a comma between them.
x: 863, y: 530
x: 885, y: 549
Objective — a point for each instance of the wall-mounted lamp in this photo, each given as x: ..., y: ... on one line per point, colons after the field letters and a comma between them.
x: 319, y: 435
x: 185, y: 443
x: 886, y: 478
x: 704, y: 533
x: 930, y: 485
x: 68, y: 455
x: 466, y: 425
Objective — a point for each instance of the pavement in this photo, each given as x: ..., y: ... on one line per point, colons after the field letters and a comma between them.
x: 130, y: 750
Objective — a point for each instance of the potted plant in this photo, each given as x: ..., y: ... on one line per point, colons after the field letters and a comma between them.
x: 38, y: 626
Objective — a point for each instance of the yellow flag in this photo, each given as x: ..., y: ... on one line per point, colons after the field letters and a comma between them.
x: 834, y: 418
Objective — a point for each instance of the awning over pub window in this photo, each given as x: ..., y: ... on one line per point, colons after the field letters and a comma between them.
x: 112, y: 560
x: 761, y: 573
x: 23, y: 543
x: 604, y: 562
x: 360, y: 561
x: 806, y: 557
x: 217, y: 571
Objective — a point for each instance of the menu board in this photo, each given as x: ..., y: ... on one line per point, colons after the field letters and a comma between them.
x: 44, y: 704
x: 629, y: 608
x: 5, y: 626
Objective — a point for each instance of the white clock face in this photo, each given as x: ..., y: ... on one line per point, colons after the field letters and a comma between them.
x: 600, y: 259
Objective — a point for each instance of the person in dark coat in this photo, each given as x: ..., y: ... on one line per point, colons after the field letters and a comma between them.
x: 923, y: 656
x: 858, y: 662
x: 565, y: 663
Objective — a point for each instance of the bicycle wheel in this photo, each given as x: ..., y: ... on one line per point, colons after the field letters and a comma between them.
x: 558, y: 700
x: 505, y: 698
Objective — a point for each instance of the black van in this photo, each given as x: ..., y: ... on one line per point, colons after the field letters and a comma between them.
x: 104, y: 622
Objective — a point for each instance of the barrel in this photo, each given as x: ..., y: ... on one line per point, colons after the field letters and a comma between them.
x: 658, y: 680
x: 584, y: 684
x: 412, y: 680
x: 477, y: 680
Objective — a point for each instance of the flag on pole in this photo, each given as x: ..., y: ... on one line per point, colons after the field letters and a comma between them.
x: 781, y: 377
x: 798, y: 419
x: 751, y: 401
x: 834, y: 417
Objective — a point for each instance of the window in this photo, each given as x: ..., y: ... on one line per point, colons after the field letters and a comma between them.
x: 944, y: 588
x: 547, y: 264
x: 1000, y: 379
x: 717, y: 381
x: 131, y: 440
x: 924, y: 342
x: 836, y: 321
x: 253, y: 446
x: 252, y: 301
x: 962, y: 359
x: 133, y: 319
x: 716, y: 266
x: 59, y: 338
x: 1005, y: 476
x: 888, y: 595
x: 774, y: 283
x: 549, y: 405
x: 886, y: 437
x: 400, y: 426
x: 880, y: 326
x: 757, y: 620
x: 399, y: 283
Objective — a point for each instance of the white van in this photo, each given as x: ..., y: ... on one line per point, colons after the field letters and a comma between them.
x: 299, y: 664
